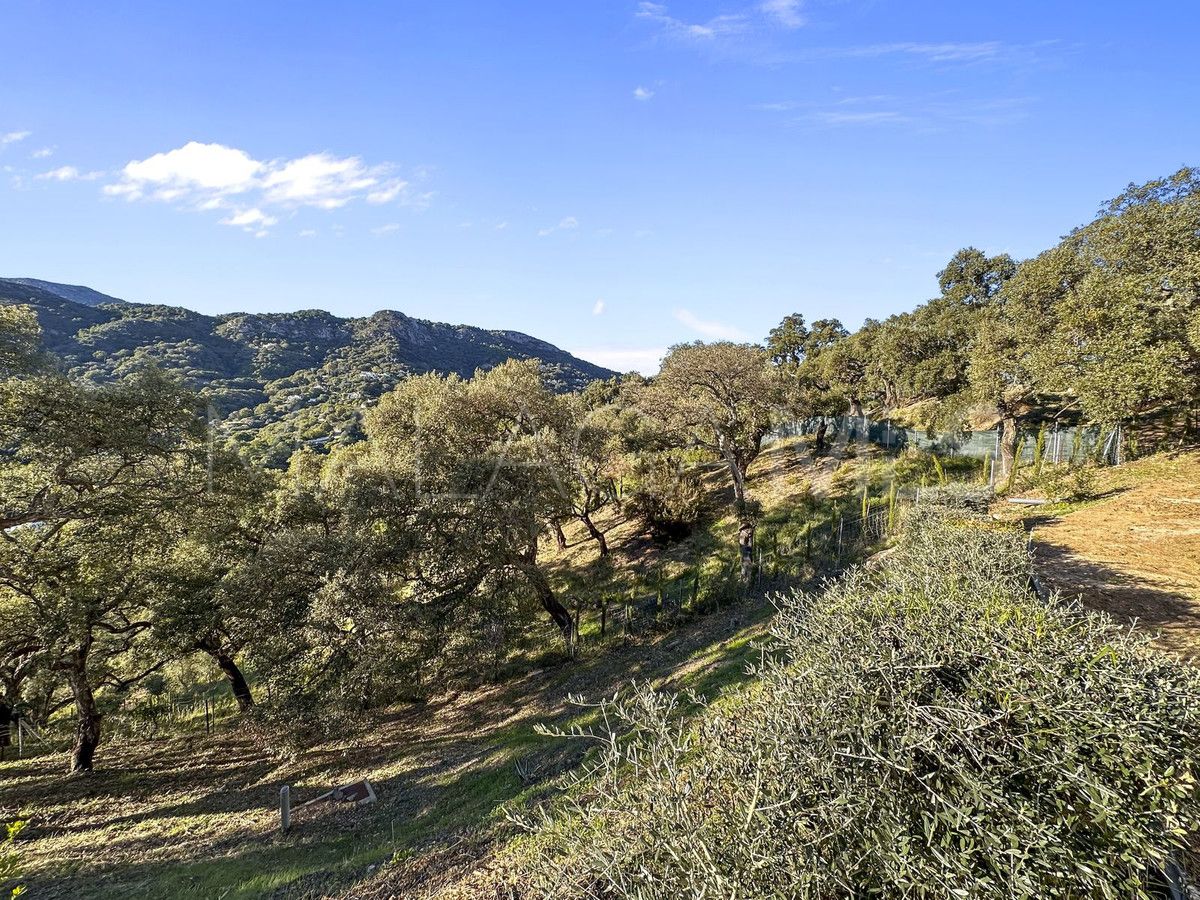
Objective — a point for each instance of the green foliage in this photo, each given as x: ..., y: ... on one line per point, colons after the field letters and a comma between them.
x: 20, y: 337
x: 9, y: 867
x: 915, y: 466
x: 926, y: 729
x: 280, y: 379
x: 1071, y: 481
x: 961, y: 497
x: 1039, y: 451
x: 667, y: 497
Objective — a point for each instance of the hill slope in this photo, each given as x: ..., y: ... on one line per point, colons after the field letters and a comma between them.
x: 278, y: 379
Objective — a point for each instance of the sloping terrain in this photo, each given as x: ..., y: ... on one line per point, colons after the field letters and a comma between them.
x: 1135, y: 553
x: 197, y: 816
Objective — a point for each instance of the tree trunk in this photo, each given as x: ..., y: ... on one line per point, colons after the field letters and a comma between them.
x: 237, y: 681
x: 746, y: 548
x: 550, y: 603
x: 1008, y: 443
x: 87, y: 725
x: 822, y: 428
x: 6, y: 719
x: 596, y: 533
x: 229, y: 668
x: 559, y: 537
x: 738, y: 474
x: 856, y: 408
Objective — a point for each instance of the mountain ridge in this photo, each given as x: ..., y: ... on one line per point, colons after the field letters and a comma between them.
x: 276, y: 379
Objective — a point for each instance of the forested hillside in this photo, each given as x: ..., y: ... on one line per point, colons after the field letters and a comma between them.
x: 277, y: 379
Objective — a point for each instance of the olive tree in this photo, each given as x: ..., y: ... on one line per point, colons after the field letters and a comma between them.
x: 722, y: 397
x: 93, y: 477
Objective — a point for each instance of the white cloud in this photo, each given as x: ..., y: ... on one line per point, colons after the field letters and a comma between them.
x: 193, y: 168
x: 598, y: 308
x: 386, y: 229
x: 42, y: 153
x: 216, y: 177
x: 641, y: 93
x: 63, y: 173
x: 710, y: 329
x: 718, y: 26
x: 320, y: 180
x: 501, y: 226
x: 69, y: 173
x: 13, y: 137
x: 644, y: 360
x: 785, y: 12
x: 570, y: 223
x: 387, y: 192
x: 308, y: 232
x: 252, y: 219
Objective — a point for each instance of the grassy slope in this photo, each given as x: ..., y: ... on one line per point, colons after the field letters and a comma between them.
x: 196, y: 816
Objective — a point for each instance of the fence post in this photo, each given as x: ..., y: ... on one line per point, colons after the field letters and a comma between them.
x: 285, y: 809
x: 841, y: 522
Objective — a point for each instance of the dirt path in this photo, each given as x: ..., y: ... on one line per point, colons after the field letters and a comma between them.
x: 1136, y: 553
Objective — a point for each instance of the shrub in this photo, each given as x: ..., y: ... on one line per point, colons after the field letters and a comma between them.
x: 668, y: 499
x: 927, y: 729
x: 1069, y: 482
x: 967, y: 497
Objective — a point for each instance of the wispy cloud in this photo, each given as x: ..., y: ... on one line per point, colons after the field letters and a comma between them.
x: 216, y: 177
x: 569, y: 223
x: 623, y: 359
x: 945, y: 52
x: 864, y: 117
x: 13, y: 137
x: 929, y: 112
x: 42, y: 153
x: 642, y: 93
x: 386, y: 229
x: 598, y: 308
x: 68, y: 173
x: 710, y: 329
x: 975, y: 51
x: 716, y: 27
x: 785, y: 12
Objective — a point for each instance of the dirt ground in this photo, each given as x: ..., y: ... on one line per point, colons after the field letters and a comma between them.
x: 1135, y: 552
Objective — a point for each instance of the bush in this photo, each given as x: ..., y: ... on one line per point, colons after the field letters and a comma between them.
x: 668, y: 499
x: 1070, y: 482
x: 967, y: 497
x: 927, y: 729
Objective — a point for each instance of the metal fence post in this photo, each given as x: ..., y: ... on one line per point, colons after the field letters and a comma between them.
x: 285, y: 808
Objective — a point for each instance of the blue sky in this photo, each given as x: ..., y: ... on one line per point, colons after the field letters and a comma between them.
x: 613, y: 177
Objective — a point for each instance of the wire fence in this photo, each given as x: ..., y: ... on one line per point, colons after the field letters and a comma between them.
x: 1062, y: 443
x: 782, y: 560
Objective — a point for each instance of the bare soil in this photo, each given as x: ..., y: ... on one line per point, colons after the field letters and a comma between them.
x: 1135, y: 553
